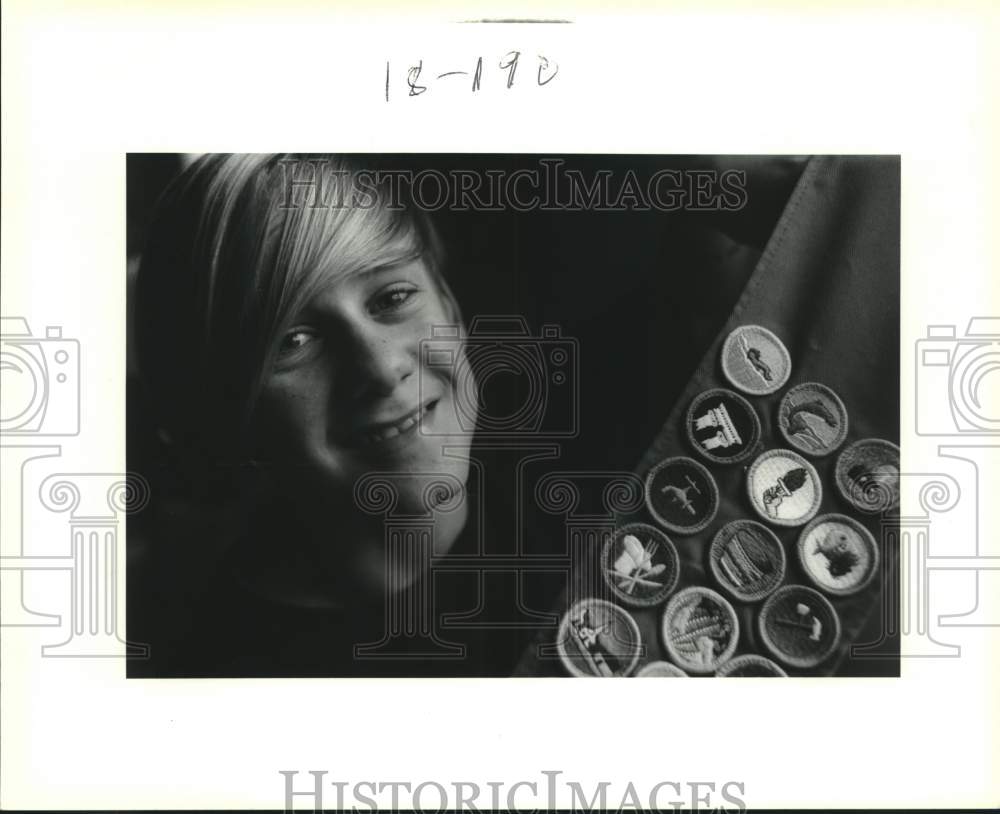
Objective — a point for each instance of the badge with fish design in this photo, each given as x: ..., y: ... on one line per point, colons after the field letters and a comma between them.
x: 640, y: 565
x: 784, y: 488
x: 700, y: 629
x: 813, y: 419
x: 838, y: 554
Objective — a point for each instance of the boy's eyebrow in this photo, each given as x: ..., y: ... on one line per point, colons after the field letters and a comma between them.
x: 390, y: 265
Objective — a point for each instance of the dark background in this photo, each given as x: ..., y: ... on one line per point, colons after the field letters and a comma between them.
x: 644, y: 294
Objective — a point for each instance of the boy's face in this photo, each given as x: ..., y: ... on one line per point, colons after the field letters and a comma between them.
x: 349, y: 395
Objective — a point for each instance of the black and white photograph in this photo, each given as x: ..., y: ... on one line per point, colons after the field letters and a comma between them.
x: 399, y: 413
x: 369, y: 374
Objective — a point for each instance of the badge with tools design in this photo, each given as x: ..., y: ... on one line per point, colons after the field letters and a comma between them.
x: 700, y: 629
x: 723, y: 426
x: 813, y: 419
x: 838, y: 554
x: 799, y: 626
x: 755, y: 361
x: 784, y: 488
x: 747, y: 560
x: 681, y: 494
x: 750, y: 666
x: 660, y: 669
x: 597, y: 638
x: 640, y: 564
x: 867, y: 475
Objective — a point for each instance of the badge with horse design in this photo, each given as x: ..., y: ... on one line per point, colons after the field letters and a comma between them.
x: 813, y: 419
x: 682, y: 495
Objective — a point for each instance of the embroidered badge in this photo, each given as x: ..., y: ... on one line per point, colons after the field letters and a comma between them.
x: 750, y: 666
x: 597, y: 638
x: 755, y: 361
x: 700, y: 629
x: 747, y: 560
x: 723, y: 426
x: 640, y: 565
x: 813, y: 419
x: 867, y: 475
x: 682, y: 495
x: 799, y: 626
x: 784, y: 488
x: 838, y: 554
x: 658, y: 669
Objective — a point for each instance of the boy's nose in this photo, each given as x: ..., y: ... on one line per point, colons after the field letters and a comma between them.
x: 382, y: 362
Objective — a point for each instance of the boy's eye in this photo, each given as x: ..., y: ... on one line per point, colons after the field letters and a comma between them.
x: 393, y: 298
x: 294, y: 341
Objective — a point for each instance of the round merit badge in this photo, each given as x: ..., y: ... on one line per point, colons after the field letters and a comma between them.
x: 838, y: 554
x: 660, y: 669
x: 867, y: 475
x: 700, y: 629
x: 813, y: 419
x: 597, y: 638
x: 723, y: 426
x: 755, y: 361
x: 784, y: 488
x: 750, y: 666
x: 799, y: 626
x: 640, y: 565
x: 681, y: 494
x: 747, y: 560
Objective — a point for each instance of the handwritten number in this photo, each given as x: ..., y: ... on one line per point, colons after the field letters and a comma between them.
x: 543, y: 65
x: 479, y: 75
x: 411, y: 78
x: 511, y: 63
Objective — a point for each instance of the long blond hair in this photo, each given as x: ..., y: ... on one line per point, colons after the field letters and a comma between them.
x: 239, y: 243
